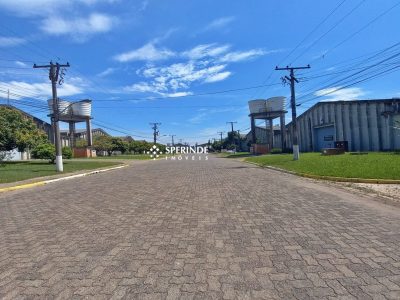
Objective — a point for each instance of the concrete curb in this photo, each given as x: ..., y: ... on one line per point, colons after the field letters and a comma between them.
x: 331, y: 178
x: 44, y: 182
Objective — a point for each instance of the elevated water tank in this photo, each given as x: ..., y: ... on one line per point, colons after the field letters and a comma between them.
x: 64, y: 107
x: 276, y: 103
x: 267, y: 105
x: 257, y: 106
x: 82, y: 108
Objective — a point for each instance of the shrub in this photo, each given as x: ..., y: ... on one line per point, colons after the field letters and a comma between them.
x: 66, y: 153
x: 276, y: 150
x: 44, y: 151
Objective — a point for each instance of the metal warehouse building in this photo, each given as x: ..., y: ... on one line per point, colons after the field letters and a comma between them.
x: 361, y: 125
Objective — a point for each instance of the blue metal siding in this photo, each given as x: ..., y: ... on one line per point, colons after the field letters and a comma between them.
x: 324, y: 137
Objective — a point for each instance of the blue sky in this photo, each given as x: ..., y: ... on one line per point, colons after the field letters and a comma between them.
x: 136, y: 59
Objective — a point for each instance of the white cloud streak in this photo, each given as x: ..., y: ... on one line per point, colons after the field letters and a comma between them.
x: 79, y: 28
x: 148, y: 52
x: 6, y: 41
x: 344, y: 94
x: 39, y: 89
x: 219, y: 23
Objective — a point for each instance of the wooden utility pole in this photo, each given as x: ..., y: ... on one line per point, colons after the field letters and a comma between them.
x: 220, y: 133
x: 292, y: 80
x: 155, y: 131
x: 54, y: 71
x: 172, y: 137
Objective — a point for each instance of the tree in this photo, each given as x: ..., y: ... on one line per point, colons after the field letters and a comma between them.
x: 139, y: 146
x: 81, y: 143
x: 18, y: 131
x: 119, y: 145
x: 103, y: 143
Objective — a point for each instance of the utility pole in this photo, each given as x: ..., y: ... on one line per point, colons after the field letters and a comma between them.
x: 172, y: 137
x: 54, y: 71
x: 232, y: 135
x: 8, y: 97
x: 220, y: 133
x: 155, y: 131
x: 292, y: 80
x: 231, y: 125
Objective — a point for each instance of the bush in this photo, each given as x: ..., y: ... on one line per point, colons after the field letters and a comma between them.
x: 66, y: 153
x: 276, y: 151
x: 44, y: 151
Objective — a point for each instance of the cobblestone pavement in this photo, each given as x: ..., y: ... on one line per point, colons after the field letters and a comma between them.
x: 216, y: 229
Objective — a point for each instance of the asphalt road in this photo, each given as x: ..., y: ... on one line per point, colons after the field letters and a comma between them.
x: 215, y: 229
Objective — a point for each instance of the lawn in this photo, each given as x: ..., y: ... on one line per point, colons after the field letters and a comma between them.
x: 374, y: 165
x: 233, y: 155
x: 126, y: 156
x: 16, y: 171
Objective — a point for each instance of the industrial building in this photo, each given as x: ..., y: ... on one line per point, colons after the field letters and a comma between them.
x: 356, y: 125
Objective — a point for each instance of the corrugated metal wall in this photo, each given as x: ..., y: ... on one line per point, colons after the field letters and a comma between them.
x: 367, y: 125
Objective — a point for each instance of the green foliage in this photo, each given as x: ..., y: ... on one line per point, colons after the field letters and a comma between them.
x: 139, y: 147
x: 67, y: 152
x: 216, y: 146
x: 103, y: 143
x: 44, y: 151
x: 119, y: 145
x: 81, y: 143
x: 276, y: 150
x: 18, y: 131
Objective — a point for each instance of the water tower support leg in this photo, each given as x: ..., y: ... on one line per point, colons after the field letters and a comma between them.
x: 89, y: 132
x: 253, y: 130
x: 271, y: 133
x: 72, y: 134
x: 283, y: 132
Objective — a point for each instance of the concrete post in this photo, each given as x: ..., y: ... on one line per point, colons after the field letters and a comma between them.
x: 71, y: 134
x: 283, y: 131
x: 271, y: 134
x: 89, y: 132
x: 253, y: 130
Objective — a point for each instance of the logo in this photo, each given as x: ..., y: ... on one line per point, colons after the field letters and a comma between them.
x: 179, y: 153
x: 154, y: 152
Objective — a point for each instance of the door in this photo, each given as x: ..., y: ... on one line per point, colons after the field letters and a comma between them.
x: 324, y: 138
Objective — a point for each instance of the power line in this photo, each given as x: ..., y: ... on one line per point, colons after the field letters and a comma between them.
x: 330, y: 30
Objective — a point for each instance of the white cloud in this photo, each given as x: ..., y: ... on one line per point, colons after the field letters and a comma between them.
x: 142, y: 87
x: 344, y: 94
x: 177, y: 76
x: 28, y: 8
x: 243, y: 55
x: 42, y: 90
x: 10, y: 41
x: 205, y: 50
x: 218, y: 77
x: 205, y: 63
x: 146, y: 53
x: 106, y: 72
x: 219, y: 23
x: 20, y: 64
x: 79, y: 28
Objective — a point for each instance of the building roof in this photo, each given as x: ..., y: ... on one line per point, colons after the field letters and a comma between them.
x: 84, y: 131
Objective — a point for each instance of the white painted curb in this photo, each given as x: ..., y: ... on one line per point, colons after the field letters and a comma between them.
x: 82, y: 175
